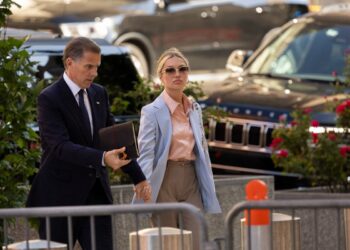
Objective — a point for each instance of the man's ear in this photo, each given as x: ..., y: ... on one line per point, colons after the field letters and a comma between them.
x: 69, y: 61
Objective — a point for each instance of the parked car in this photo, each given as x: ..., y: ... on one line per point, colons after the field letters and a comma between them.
x: 116, y: 72
x: 206, y: 31
x: 295, y: 68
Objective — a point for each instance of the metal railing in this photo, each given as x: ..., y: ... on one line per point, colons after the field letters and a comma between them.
x: 314, y: 210
x: 104, y: 210
x: 312, y: 213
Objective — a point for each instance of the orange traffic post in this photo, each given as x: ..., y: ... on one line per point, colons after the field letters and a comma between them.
x: 257, y: 220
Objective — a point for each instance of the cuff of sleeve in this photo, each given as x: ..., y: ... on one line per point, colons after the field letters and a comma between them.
x: 134, y: 171
x: 103, y: 159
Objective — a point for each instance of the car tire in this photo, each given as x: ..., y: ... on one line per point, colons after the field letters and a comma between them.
x: 139, y: 59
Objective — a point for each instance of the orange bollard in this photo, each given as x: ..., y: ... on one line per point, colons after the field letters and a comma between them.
x: 257, y: 190
x: 259, y: 219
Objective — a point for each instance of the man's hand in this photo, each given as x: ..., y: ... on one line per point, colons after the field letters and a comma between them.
x: 112, y: 159
x: 143, y: 191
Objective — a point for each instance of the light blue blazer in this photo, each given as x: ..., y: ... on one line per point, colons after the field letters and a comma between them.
x: 154, y: 142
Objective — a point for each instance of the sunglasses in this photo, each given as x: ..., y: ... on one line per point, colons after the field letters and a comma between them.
x: 172, y: 70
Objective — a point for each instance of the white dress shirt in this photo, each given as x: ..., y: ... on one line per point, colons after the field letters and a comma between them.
x: 75, y: 90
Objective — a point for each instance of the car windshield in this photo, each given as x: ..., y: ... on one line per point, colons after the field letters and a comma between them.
x: 306, y: 50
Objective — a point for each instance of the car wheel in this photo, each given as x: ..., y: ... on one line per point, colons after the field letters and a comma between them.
x: 139, y: 59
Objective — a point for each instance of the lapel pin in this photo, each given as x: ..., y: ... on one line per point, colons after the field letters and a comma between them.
x: 97, y: 103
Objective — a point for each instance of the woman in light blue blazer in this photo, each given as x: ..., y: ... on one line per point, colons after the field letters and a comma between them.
x: 173, y: 148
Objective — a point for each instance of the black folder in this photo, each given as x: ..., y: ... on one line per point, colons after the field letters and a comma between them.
x: 118, y: 136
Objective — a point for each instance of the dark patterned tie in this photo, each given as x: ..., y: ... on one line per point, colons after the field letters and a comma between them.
x: 84, y: 112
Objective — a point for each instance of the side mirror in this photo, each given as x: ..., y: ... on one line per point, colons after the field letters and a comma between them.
x: 237, y: 58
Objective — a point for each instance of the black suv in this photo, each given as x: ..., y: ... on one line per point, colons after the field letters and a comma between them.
x: 295, y: 68
x: 206, y: 31
x: 116, y: 72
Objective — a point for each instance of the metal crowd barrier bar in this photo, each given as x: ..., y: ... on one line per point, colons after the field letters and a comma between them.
x: 292, y: 206
x: 104, y: 210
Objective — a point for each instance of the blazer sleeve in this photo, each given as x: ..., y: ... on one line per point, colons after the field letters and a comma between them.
x: 134, y: 171
x: 147, y: 140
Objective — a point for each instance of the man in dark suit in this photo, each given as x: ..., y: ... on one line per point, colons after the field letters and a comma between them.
x: 73, y: 170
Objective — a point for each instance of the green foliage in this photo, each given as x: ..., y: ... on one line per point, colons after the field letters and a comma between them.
x: 194, y: 90
x: 295, y: 140
x: 330, y: 167
x: 320, y: 157
x: 214, y: 112
x: 17, y: 111
x: 347, y: 70
x: 5, y: 11
x: 144, y: 92
x: 131, y: 102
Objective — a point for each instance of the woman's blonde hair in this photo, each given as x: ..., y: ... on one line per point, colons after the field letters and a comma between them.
x: 169, y: 53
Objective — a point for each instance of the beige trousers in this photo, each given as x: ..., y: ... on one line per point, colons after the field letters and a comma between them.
x: 179, y: 185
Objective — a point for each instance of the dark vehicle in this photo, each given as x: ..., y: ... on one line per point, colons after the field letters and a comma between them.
x: 116, y: 72
x: 295, y: 68
x: 206, y: 31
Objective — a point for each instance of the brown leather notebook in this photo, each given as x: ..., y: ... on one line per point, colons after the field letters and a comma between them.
x: 118, y: 136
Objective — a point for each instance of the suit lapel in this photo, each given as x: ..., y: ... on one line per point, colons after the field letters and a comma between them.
x: 195, y: 120
x: 163, y: 116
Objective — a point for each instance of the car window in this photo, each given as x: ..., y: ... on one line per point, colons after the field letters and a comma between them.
x: 306, y: 50
x: 293, y: 53
x: 48, y: 67
x: 116, y: 72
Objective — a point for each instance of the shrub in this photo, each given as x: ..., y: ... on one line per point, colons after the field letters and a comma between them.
x: 17, y: 111
x: 320, y: 156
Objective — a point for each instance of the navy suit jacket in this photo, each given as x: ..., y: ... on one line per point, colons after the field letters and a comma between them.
x: 71, y: 162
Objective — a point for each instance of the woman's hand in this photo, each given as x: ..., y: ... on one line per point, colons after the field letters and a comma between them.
x: 143, y: 191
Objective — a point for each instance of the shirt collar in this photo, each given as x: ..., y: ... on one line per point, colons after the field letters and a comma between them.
x: 72, y: 85
x: 172, y: 104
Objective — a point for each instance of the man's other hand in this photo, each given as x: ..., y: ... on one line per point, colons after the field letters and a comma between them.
x: 113, y: 160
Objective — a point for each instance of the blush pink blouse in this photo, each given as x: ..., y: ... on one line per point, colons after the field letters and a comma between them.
x: 182, y: 143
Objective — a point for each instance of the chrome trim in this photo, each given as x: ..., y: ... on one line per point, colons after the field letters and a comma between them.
x: 247, y: 126
x: 229, y: 127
